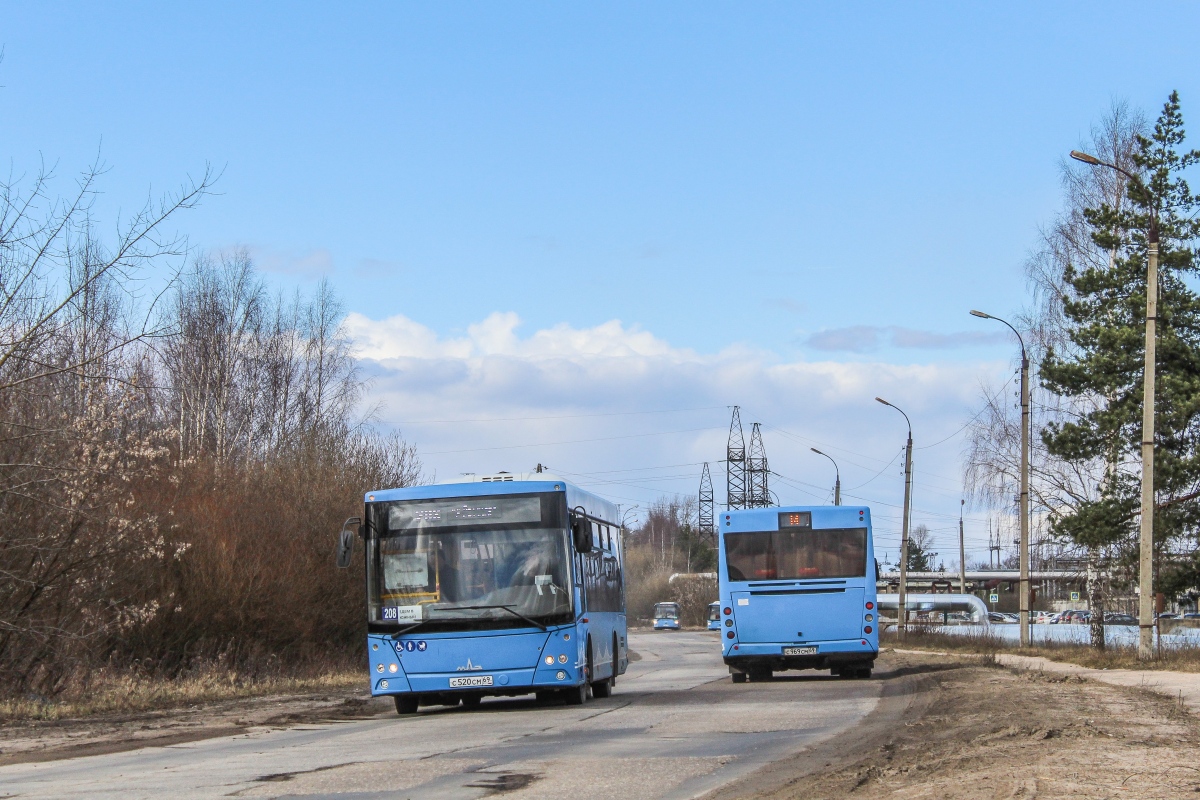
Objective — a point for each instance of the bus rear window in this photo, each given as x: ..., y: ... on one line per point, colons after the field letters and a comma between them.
x: 796, y: 554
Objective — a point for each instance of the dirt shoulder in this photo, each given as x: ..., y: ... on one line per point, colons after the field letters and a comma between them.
x: 971, y: 730
x: 48, y: 740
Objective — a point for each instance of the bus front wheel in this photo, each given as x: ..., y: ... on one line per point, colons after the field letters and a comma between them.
x: 759, y: 675
x: 472, y: 700
x: 576, y: 695
x: 405, y: 703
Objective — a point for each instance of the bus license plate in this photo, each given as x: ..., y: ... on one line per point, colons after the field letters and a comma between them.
x: 800, y: 651
x: 471, y: 681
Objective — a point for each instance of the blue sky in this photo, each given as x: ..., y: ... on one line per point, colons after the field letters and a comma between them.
x: 749, y: 192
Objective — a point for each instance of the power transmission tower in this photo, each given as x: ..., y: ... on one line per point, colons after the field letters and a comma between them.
x: 735, y: 458
x: 757, y: 471
x: 993, y: 546
x: 706, y: 506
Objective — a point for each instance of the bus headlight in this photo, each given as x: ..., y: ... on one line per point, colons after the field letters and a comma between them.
x: 562, y: 659
x: 562, y: 676
x: 549, y: 661
x: 379, y: 668
x: 393, y: 667
x: 383, y: 684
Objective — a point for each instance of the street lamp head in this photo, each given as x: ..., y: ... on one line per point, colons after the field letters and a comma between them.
x: 815, y: 450
x: 881, y: 400
x: 980, y: 314
x: 1085, y: 158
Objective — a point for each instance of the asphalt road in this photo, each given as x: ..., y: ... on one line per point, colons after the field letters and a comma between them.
x: 675, y: 727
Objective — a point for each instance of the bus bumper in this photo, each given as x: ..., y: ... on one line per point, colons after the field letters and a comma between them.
x: 747, y: 657
x: 393, y: 673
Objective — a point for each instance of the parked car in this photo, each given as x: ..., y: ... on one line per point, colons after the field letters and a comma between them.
x: 1041, y: 617
x: 1074, y: 617
x: 1113, y: 618
x: 996, y: 618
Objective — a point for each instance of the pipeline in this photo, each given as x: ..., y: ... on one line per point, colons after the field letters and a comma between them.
x: 937, y: 602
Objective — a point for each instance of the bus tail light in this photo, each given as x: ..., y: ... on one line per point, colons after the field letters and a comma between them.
x: 729, y: 635
x: 867, y: 629
x: 870, y: 606
x: 728, y: 610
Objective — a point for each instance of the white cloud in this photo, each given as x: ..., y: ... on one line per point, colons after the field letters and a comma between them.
x: 494, y: 399
x: 400, y: 337
x: 868, y: 338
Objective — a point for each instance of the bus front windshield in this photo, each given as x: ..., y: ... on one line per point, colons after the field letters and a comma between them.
x: 427, y: 568
x: 666, y: 611
x: 714, y: 612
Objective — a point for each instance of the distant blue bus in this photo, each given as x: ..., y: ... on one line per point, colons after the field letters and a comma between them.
x: 505, y: 585
x: 666, y: 616
x: 797, y: 588
x: 714, y: 616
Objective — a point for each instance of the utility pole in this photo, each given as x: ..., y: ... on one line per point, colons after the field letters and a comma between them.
x: 962, y: 552
x: 1146, y: 525
x: 1146, y: 555
x: 704, y: 517
x: 1026, y: 433
x: 902, y: 616
x: 735, y: 464
x: 758, y: 494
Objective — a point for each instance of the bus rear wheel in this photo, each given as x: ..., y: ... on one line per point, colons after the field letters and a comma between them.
x: 405, y: 703
x: 738, y: 677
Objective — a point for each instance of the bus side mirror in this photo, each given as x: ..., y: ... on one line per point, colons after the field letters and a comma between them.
x: 345, y: 545
x: 581, y: 532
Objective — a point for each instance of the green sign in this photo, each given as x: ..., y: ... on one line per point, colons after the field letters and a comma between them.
x: 1074, y: 597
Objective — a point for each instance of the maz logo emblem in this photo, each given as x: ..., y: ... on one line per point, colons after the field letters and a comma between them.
x: 469, y: 667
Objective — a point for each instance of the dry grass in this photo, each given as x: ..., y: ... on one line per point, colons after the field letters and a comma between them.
x: 127, y: 692
x: 1175, y: 659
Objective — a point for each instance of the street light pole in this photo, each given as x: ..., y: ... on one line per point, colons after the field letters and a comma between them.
x: 837, y: 484
x: 902, y: 615
x: 962, y: 552
x: 1146, y: 525
x: 1026, y: 433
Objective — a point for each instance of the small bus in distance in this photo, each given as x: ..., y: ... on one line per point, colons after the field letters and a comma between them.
x: 504, y: 585
x: 797, y: 587
x: 666, y: 616
x: 714, y: 616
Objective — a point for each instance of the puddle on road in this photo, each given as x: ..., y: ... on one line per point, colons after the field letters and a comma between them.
x: 502, y: 782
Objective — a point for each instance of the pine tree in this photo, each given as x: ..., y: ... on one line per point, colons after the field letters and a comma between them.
x: 1106, y: 314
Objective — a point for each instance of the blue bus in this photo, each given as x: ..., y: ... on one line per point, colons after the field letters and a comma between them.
x: 502, y: 585
x: 797, y: 591
x: 714, y: 616
x: 666, y: 617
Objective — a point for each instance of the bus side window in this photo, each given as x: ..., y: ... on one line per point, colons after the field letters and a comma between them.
x: 608, y: 538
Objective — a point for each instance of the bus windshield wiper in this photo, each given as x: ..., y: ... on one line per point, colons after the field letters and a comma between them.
x: 403, y: 631
x: 509, y: 609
